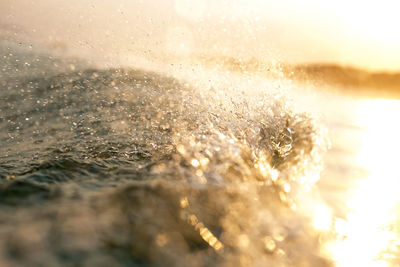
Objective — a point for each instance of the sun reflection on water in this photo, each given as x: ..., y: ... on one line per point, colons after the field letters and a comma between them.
x: 367, y: 235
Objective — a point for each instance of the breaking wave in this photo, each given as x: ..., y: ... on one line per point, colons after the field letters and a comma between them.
x: 123, y: 167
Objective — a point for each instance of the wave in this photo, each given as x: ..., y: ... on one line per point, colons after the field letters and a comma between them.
x: 128, y: 167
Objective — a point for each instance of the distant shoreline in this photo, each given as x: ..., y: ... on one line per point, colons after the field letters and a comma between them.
x: 349, y: 79
x: 329, y: 76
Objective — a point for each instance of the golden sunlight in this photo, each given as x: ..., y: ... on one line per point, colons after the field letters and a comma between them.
x: 200, y: 132
x: 366, y: 236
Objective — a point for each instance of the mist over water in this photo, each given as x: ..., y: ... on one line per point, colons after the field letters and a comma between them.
x: 115, y: 152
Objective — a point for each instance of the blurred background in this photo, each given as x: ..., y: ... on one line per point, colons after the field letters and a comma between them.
x: 351, y: 43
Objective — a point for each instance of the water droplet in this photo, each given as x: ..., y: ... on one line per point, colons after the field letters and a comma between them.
x: 269, y: 243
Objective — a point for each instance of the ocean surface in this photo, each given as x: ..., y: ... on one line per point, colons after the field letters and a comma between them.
x: 189, y: 166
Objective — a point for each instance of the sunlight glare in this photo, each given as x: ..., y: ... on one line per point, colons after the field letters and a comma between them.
x: 366, y: 233
x: 322, y: 217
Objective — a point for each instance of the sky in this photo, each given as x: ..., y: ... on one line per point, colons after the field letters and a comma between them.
x: 349, y: 32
